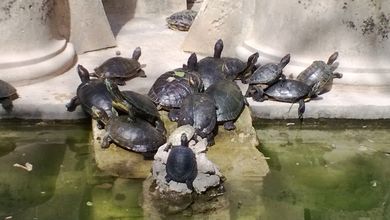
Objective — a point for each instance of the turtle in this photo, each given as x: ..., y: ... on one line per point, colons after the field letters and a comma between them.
x: 211, y: 68
x: 8, y: 93
x: 181, y: 164
x: 234, y: 68
x: 267, y: 74
x: 91, y: 92
x: 130, y: 133
x: 181, y: 20
x: 175, y: 136
x: 199, y: 111
x: 170, y: 88
x: 229, y: 102
x: 322, y: 72
x: 287, y: 90
x: 120, y: 68
x: 134, y: 103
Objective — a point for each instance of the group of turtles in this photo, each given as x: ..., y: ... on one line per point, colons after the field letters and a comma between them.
x: 202, y: 94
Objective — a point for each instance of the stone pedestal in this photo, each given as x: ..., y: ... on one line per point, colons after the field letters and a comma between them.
x: 309, y: 30
x: 31, y: 49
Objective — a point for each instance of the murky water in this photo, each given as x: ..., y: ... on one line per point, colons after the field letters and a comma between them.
x: 326, y: 170
x: 318, y: 171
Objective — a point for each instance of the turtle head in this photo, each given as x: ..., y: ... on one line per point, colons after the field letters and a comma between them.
x: 99, y: 114
x: 284, y: 61
x: 218, y: 47
x: 83, y: 73
x: 136, y: 53
x: 184, y: 139
x: 332, y: 58
x: 250, y: 67
x: 192, y: 62
x: 118, y: 100
x: 252, y: 59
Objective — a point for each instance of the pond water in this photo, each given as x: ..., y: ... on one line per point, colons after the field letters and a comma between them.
x: 332, y: 170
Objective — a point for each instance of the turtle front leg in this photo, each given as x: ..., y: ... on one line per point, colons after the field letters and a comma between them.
x: 301, y: 109
x: 141, y: 73
x: 7, y: 105
x: 337, y: 75
x: 106, y: 141
x: 229, y: 125
x: 259, y: 95
x: 74, y: 102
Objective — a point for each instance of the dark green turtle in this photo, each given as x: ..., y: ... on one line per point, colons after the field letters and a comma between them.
x: 234, y: 68
x: 181, y: 20
x: 120, y: 69
x: 134, y: 103
x: 229, y: 102
x: 91, y: 92
x: 133, y: 134
x: 181, y: 164
x: 7, y: 95
x: 199, y: 111
x: 287, y: 90
x: 322, y: 73
x: 170, y: 88
x: 267, y: 74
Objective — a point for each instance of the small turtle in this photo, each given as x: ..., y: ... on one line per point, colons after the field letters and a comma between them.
x: 229, y: 102
x: 7, y: 95
x: 211, y: 68
x: 121, y: 69
x: 91, y: 92
x: 170, y: 88
x: 181, y: 20
x: 267, y: 74
x: 234, y: 68
x: 287, y: 90
x: 134, y: 103
x: 199, y: 111
x: 133, y: 134
x: 175, y: 136
x: 181, y: 164
x: 321, y: 72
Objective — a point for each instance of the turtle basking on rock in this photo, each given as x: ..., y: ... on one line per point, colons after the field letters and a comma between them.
x: 181, y: 20
x: 322, y: 73
x: 181, y: 164
x: 133, y: 134
x: 91, y: 92
x: 7, y: 95
x: 121, y: 69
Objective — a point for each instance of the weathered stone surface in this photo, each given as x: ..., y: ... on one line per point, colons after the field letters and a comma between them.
x: 117, y: 161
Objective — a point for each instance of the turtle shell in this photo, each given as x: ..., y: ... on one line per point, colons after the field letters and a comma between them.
x: 199, y: 111
x: 181, y: 20
x: 269, y: 73
x: 137, y: 135
x: 94, y: 93
x: 144, y: 106
x: 6, y: 89
x: 288, y: 90
x: 318, y: 71
x: 228, y: 100
x: 181, y: 164
x: 232, y: 67
x: 172, y: 87
x: 211, y: 70
x: 119, y: 67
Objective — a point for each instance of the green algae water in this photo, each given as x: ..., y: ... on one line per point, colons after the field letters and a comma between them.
x: 320, y: 170
x: 326, y: 169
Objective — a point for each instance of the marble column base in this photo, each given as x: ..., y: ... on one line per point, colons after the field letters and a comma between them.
x: 38, y: 65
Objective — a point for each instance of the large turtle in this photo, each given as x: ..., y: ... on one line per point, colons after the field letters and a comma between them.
x: 170, y: 88
x: 134, y: 103
x: 181, y: 164
x: 199, y: 111
x: 229, y: 102
x: 234, y: 68
x: 133, y: 134
x: 121, y: 69
x: 211, y: 68
x: 287, y: 90
x: 321, y: 72
x: 181, y: 20
x: 91, y: 92
x: 267, y: 74
x: 7, y: 95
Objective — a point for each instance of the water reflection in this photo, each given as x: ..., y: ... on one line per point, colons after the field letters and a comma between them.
x: 331, y: 171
